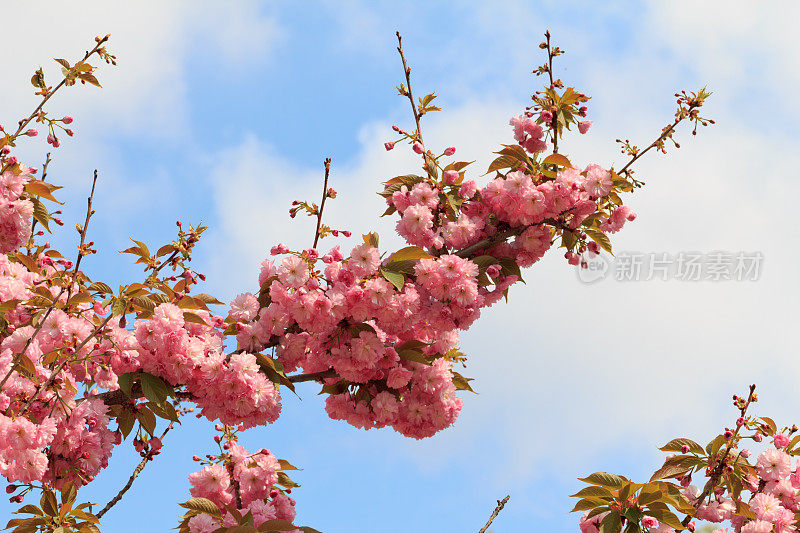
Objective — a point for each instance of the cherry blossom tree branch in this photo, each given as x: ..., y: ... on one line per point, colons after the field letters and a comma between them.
x: 314, y: 376
x: 408, y: 92
x: 554, y: 120
x: 136, y: 471
x: 67, y: 288
x: 500, y: 504
x: 24, y: 122
x: 44, y: 178
x: 719, y: 469
x: 324, y: 197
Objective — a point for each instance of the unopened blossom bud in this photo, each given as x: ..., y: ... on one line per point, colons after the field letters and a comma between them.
x: 388, y: 146
x: 450, y: 151
x: 5, y: 150
x: 690, y: 526
x: 740, y: 421
x: 12, y: 160
x: 584, y: 126
x: 69, y: 132
x: 67, y: 120
x: 417, y: 147
x: 757, y: 437
x: 745, y: 453
x: 493, y: 271
x: 685, y: 448
x: 10, y: 489
x: 217, y: 439
x: 346, y: 233
x: 196, y: 458
x: 685, y: 480
x: 226, y: 446
x: 156, y: 444
x: 451, y: 177
x: 728, y: 434
x: 547, y: 116
x: 16, y: 499
x: 31, y: 133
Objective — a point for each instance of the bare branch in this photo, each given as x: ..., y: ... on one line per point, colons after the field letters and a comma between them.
x: 500, y: 504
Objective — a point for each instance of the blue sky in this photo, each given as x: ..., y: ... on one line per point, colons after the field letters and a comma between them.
x: 224, y: 112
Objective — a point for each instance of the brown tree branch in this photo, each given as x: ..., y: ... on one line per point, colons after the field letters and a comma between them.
x: 500, y: 504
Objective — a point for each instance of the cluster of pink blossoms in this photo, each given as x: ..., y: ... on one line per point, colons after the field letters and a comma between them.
x: 774, y: 499
x: 15, y: 213
x: 331, y: 312
x: 242, y: 480
x: 230, y: 389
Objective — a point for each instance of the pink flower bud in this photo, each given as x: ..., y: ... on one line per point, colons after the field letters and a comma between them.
x: 745, y: 453
x: 450, y: 151
x: 451, y: 177
x: 685, y: 448
x: 757, y: 437
x: 156, y: 444
x: 584, y: 126
x: 740, y: 421
x: 547, y: 116
x: 388, y: 146
x: 31, y: 133
x: 493, y: 271
x: 67, y: 120
x: 417, y: 147
x: 5, y: 150
x: 12, y: 160
x: 196, y: 458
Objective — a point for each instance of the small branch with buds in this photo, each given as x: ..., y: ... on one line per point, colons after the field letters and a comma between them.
x: 324, y: 197
x: 719, y: 469
x: 99, y: 48
x: 407, y: 89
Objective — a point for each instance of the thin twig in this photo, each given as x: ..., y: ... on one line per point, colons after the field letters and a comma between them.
x: 554, y: 120
x: 500, y: 505
x: 136, y: 471
x: 324, y: 197
x: 44, y: 178
x: 655, y: 143
x: 409, y: 94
